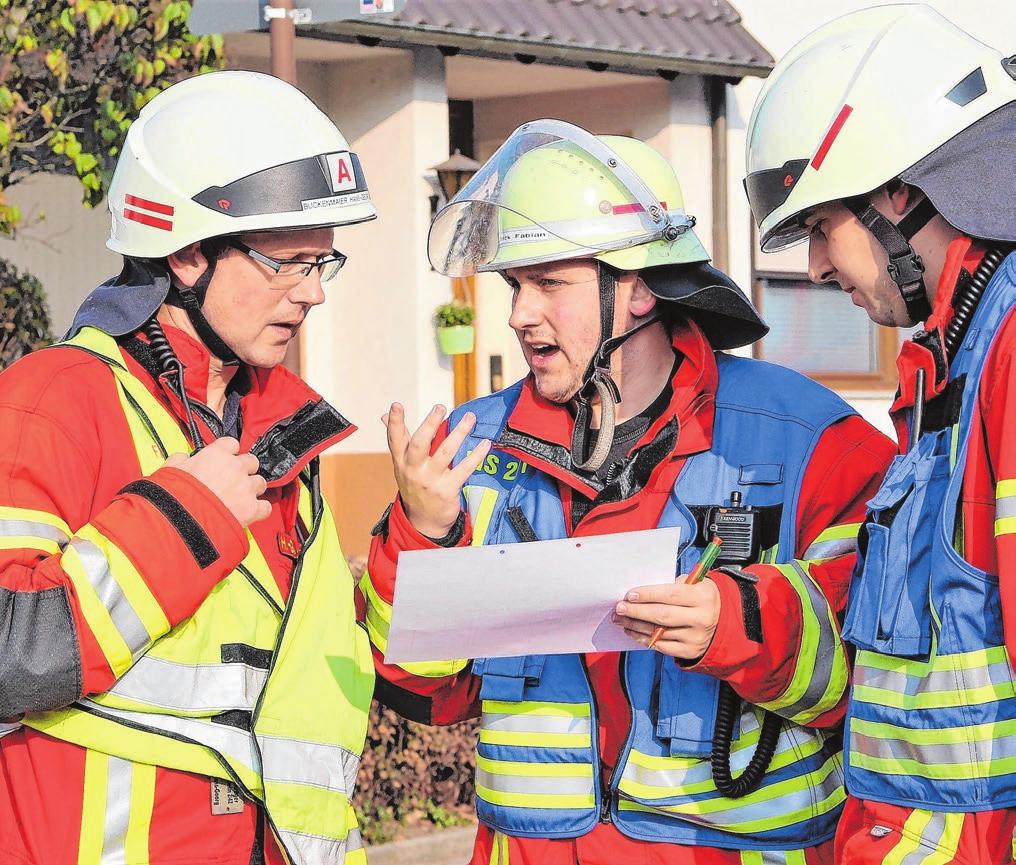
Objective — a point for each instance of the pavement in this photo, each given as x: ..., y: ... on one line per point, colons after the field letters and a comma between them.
x: 451, y: 846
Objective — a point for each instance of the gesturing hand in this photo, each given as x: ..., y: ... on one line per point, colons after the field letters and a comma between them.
x: 429, y: 486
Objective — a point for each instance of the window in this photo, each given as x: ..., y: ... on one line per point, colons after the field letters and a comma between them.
x: 817, y: 330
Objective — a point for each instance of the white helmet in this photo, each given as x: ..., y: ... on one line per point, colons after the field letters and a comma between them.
x: 888, y: 92
x: 230, y: 153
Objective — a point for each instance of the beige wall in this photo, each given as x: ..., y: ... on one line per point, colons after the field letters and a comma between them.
x: 61, y: 242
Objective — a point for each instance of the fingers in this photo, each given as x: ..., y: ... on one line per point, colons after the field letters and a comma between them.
x: 175, y: 460
x: 418, y: 450
x: 678, y: 594
x: 262, y: 511
x: 227, y: 444
x: 450, y: 446
x: 461, y: 472
x: 398, y: 436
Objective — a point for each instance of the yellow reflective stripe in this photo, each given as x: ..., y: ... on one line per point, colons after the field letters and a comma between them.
x: 773, y: 857
x: 838, y: 540
x: 142, y: 803
x: 534, y: 770
x: 1005, y: 507
x: 821, y: 672
x: 97, y: 617
x: 378, y: 621
x: 131, y: 583
x: 967, y: 771
x: 29, y: 529
x: 830, y: 803
x: 141, y: 607
x: 560, y: 710
x: 933, y: 699
x: 937, y: 664
x: 379, y: 614
x: 785, y: 757
x: 116, y: 814
x: 26, y: 542
x: 535, y: 740
x: 499, y: 849
x: 93, y: 808
x: 480, y: 502
x: 763, y: 794
x: 938, y: 833
x: 536, y: 800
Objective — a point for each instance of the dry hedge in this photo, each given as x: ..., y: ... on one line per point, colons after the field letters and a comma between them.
x: 412, y: 773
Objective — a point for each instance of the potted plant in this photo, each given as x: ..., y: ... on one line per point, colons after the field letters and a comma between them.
x: 455, y: 332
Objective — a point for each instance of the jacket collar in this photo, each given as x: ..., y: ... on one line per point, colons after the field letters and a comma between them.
x: 926, y: 350
x: 539, y: 431
x: 285, y: 422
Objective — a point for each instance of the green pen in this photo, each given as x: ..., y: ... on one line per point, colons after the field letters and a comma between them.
x: 702, y: 566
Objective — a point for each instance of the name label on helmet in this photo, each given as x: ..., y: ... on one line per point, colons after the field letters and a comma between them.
x: 340, y: 172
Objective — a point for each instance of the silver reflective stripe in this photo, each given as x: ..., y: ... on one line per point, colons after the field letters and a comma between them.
x: 1005, y: 507
x: 830, y: 549
x: 970, y: 755
x: 940, y: 681
x: 124, y: 617
x: 119, y: 777
x: 29, y: 528
x: 529, y: 723
x: 191, y: 687
x: 6, y: 728
x: 552, y: 785
x: 825, y: 654
x: 930, y: 836
x: 228, y: 741
x: 307, y: 849
x: 802, y: 800
x: 354, y: 841
x: 672, y: 779
x: 474, y: 497
x: 289, y: 761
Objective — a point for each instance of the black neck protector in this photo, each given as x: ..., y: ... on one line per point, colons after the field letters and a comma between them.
x: 905, y: 266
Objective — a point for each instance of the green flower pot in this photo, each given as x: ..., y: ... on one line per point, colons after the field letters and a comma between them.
x: 456, y: 340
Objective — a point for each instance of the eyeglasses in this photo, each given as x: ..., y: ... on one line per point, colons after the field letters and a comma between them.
x: 291, y: 272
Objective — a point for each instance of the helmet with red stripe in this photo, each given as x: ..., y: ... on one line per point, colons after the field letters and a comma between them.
x: 231, y: 153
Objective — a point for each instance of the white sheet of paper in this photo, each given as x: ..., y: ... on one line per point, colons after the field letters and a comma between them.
x: 538, y: 598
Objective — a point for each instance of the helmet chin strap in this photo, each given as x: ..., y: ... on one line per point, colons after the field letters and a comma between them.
x: 597, y: 382
x: 905, y: 266
x: 191, y: 298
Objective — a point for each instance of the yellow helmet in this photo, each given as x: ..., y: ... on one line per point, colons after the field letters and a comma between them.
x: 552, y: 192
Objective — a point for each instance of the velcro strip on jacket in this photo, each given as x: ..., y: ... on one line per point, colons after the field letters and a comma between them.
x: 290, y: 440
x: 189, y: 529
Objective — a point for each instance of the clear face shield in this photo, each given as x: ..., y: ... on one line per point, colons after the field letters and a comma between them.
x: 552, y: 191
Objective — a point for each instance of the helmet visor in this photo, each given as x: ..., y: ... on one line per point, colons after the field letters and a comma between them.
x: 552, y: 191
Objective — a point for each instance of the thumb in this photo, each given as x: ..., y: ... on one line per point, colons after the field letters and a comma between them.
x: 175, y: 461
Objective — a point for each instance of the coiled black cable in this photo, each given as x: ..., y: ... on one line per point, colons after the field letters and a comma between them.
x: 968, y: 296
x: 728, y: 707
x: 170, y: 363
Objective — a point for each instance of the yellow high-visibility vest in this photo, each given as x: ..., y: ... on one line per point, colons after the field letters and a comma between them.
x: 270, y: 695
